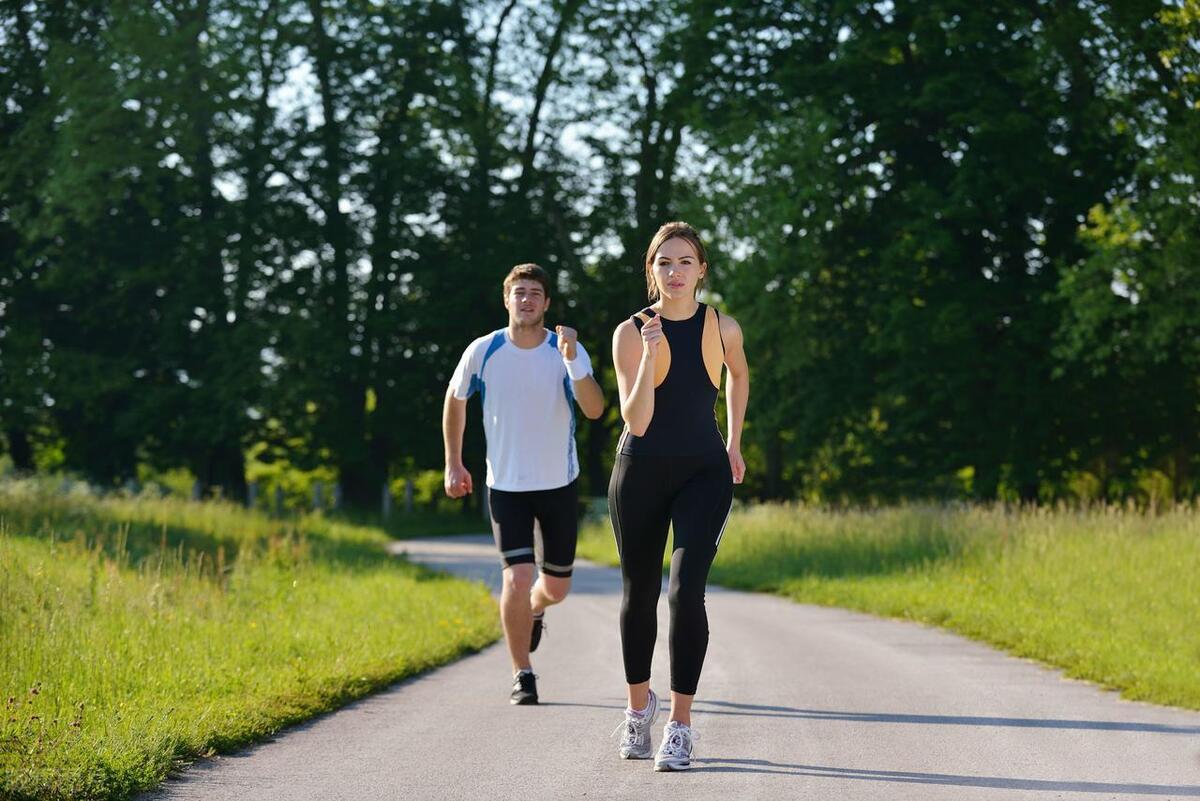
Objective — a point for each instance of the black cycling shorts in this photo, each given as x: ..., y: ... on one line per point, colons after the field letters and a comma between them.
x: 556, y: 511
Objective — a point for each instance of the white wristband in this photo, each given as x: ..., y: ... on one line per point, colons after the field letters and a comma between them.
x: 579, y: 367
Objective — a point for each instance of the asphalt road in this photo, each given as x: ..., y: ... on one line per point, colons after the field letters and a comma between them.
x: 796, y: 702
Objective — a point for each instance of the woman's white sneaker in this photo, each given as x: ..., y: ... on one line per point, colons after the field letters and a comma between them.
x: 675, y: 751
x: 635, y: 731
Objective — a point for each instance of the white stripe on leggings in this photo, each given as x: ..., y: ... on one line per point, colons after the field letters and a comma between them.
x: 723, y: 525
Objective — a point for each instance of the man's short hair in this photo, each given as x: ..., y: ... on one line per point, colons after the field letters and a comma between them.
x: 527, y: 272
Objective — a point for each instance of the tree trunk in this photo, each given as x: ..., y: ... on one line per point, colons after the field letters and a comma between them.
x: 347, y: 413
x: 224, y: 468
x: 986, y: 483
x: 545, y: 79
x: 19, y: 449
x: 224, y: 464
x: 1181, y: 473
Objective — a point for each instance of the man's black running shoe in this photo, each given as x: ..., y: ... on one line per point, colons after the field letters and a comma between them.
x: 524, y: 691
x: 535, y: 637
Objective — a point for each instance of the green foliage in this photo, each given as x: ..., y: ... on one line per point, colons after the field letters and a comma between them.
x: 177, y: 481
x: 272, y: 471
x: 958, y: 237
x: 428, y: 490
x: 908, y: 183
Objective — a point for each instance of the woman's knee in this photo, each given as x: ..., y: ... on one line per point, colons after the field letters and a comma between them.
x: 642, y: 596
x: 684, y: 597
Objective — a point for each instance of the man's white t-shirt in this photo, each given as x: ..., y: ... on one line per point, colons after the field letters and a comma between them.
x: 528, y: 409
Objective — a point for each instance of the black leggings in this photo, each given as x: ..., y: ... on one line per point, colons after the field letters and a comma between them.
x: 647, y: 493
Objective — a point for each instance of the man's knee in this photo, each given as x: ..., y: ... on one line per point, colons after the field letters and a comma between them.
x: 518, y: 578
x: 556, y: 587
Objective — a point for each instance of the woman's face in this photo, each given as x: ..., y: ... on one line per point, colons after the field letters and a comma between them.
x: 677, y: 269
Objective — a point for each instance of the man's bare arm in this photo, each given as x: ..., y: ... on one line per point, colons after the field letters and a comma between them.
x: 589, y: 396
x: 457, y: 480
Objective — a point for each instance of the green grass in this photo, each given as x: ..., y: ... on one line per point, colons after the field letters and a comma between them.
x: 138, y: 634
x: 1107, y: 594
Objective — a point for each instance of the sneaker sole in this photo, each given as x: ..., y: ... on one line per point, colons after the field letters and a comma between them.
x: 523, y: 701
x: 634, y: 755
x: 670, y: 767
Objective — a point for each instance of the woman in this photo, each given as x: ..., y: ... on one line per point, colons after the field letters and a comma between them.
x: 672, y: 467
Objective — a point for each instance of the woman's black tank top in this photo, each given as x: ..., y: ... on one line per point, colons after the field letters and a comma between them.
x: 684, y: 420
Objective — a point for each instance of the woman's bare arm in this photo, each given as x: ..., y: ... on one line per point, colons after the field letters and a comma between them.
x: 634, y: 355
x: 737, y: 393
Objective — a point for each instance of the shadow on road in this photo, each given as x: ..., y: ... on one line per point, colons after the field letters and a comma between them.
x: 757, y: 710
x: 905, y: 777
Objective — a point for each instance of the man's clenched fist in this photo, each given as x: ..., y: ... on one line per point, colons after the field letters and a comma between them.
x: 567, y: 337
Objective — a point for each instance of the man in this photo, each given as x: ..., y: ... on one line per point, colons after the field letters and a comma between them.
x: 528, y: 379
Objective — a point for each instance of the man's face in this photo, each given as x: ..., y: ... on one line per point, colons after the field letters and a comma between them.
x: 526, y: 302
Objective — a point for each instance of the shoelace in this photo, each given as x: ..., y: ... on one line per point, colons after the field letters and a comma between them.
x: 631, y: 727
x: 675, y: 742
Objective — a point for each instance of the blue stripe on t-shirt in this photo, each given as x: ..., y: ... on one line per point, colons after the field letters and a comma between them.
x: 477, y: 382
x: 570, y: 393
x: 552, y: 341
x: 493, y: 346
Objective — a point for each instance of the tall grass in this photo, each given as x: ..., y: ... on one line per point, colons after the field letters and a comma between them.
x: 139, y: 633
x: 1108, y: 594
